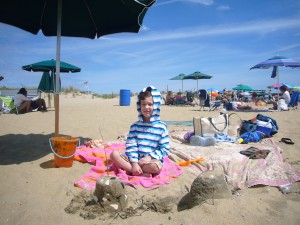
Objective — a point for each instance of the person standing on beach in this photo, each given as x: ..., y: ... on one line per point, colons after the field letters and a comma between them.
x: 148, y: 141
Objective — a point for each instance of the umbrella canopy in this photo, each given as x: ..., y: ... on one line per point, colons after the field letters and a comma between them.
x: 197, y: 76
x: 296, y: 88
x: 50, y: 65
x: 179, y: 77
x: 242, y: 88
x: 74, y: 18
x: 275, y: 62
x: 278, y: 85
x: 89, y: 18
x: 47, y: 83
x: 212, y: 89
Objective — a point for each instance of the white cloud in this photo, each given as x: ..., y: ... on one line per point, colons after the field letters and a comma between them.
x: 258, y: 27
x: 223, y: 7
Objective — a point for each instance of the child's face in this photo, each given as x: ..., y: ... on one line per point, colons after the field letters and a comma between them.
x: 147, y: 108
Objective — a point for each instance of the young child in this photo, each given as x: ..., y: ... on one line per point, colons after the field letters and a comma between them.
x: 148, y: 141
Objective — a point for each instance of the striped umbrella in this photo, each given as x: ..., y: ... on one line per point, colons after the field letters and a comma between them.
x: 274, y: 62
x: 278, y: 85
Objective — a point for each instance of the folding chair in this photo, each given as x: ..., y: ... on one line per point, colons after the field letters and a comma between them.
x: 8, y: 105
x: 215, y: 106
x: 294, y: 100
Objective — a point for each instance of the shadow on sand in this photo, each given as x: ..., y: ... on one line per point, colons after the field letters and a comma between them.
x: 20, y: 148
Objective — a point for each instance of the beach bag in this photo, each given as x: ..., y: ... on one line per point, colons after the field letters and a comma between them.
x: 264, y: 127
x: 234, y: 125
x: 273, y: 122
x: 248, y: 126
x: 208, y: 126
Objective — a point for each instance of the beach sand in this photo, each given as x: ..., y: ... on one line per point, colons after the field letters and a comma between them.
x: 34, y: 192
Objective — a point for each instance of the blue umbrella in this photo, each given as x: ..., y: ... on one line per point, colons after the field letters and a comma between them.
x: 212, y: 89
x: 275, y: 62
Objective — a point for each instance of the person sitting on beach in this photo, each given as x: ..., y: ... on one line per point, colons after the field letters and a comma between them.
x: 255, y: 98
x: 240, y: 106
x: 170, y: 98
x: 22, y: 102
x: 147, y: 143
x: 284, y: 99
x: 180, y: 99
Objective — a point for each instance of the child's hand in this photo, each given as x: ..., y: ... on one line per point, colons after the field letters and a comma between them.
x: 136, y: 169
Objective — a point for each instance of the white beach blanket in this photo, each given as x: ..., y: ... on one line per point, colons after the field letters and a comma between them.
x: 240, y: 171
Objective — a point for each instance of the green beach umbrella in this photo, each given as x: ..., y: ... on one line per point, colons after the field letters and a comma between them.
x: 74, y: 18
x: 296, y: 88
x: 50, y: 65
x: 179, y: 77
x: 197, y: 76
x: 242, y: 88
x: 45, y: 83
x: 48, y: 83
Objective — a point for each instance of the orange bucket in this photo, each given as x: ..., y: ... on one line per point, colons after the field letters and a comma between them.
x: 64, y: 150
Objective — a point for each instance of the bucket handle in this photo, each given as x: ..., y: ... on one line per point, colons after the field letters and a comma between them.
x: 60, y: 156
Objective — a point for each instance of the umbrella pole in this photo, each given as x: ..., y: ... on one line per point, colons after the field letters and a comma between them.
x: 198, y: 92
x: 49, y: 101
x: 56, y: 93
x: 277, y: 88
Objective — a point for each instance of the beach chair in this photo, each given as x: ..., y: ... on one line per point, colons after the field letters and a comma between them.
x: 190, y: 97
x: 8, y: 105
x: 204, y: 99
x: 294, y: 99
x: 215, y: 106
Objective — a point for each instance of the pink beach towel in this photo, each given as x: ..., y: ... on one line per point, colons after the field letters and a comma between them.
x: 96, y: 157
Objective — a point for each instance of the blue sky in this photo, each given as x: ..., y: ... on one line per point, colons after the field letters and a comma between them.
x: 221, y: 38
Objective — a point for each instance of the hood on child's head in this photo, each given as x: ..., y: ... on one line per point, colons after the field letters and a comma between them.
x: 157, y: 100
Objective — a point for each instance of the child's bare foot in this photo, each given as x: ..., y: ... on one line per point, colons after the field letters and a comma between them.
x: 146, y: 175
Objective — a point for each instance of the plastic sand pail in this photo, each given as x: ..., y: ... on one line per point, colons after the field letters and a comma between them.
x: 64, y: 149
x: 124, y: 97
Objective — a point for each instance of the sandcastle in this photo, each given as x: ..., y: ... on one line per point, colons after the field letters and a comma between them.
x: 110, y: 193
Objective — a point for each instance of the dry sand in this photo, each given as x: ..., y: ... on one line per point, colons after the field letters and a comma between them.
x: 34, y: 192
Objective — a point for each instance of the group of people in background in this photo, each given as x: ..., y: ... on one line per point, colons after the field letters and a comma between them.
x: 257, y: 97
